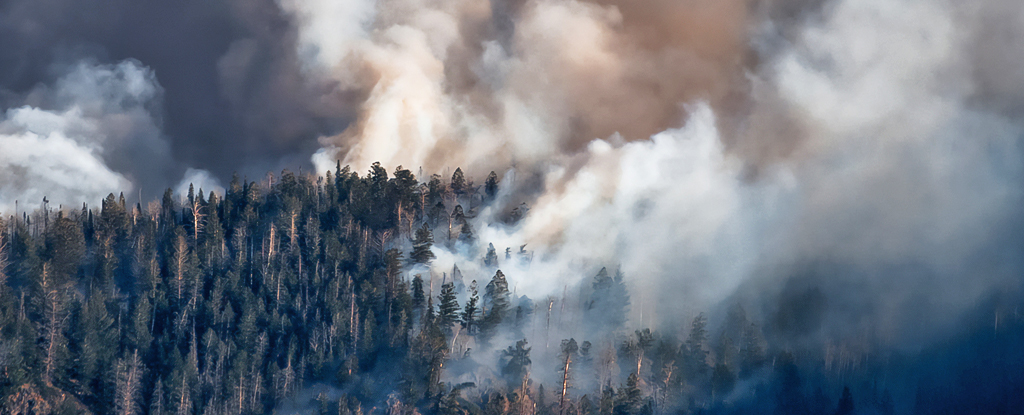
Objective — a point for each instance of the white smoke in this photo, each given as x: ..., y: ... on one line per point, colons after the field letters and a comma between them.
x: 895, y: 162
x: 199, y: 180
x: 59, y: 144
x: 95, y: 131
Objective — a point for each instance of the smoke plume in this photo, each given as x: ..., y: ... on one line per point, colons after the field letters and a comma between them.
x: 713, y: 149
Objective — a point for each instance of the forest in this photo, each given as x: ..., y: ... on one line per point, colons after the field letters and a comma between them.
x: 316, y: 294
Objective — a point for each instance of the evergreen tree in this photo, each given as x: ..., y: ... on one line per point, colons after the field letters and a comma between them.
x: 694, y: 350
x: 496, y: 298
x: 491, y: 259
x: 629, y: 400
x: 447, y: 308
x: 608, y: 303
x: 458, y: 185
x: 421, y: 253
x: 419, y: 299
x: 128, y: 375
x: 491, y: 185
x: 751, y: 356
x: 469, y: 313
x: 722, y: 380
x: 515, y: 363
x: 569, y: 350
x: 435, y: 190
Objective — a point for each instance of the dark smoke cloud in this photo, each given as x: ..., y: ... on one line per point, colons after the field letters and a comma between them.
x: 235, y: 96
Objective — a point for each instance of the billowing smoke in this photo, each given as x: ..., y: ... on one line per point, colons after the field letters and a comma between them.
x: 74, y: 141
x: 488, y: 85
x: 234, y: 96
x: 712, y: 149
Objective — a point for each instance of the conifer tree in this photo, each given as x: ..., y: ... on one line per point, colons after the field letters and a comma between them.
x: 695, y: 351
x: 629, y: 399
x: 419, y: 299
x: 516, y: 363
x: 458, y: 185
x: 491, y: 185
x: 469, y: 313
x: 447, y: 308
x: 608, y: 302
x: 491, y: 259
x: 496, y: 298
x: 569, y: 351
x: 421, y: 244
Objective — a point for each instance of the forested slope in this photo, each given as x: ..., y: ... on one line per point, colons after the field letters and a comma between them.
x: 315, y: 294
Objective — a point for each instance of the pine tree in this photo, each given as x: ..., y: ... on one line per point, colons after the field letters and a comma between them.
x: 569, y: 350
x: 421, y: 253
x: 491, y: 259
x: 629, y: 399
x: 51, y: 301
x: 157, y: 404
x: 458, y: 185
x: 469, y: 313
x: 491, y: 185
x: 694, y: 350
x: 496, y: 297
x: 97, y: 342
x: 447, y: 308
x: 722, y: 380
x: 516, y: 363
x: 419, y: 298
x: 608, y: 302
x: 751, y: 356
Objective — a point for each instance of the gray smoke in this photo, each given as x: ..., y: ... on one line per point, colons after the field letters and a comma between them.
x: 235, y: 97
x: 75, y: 141
x: 717, y: 151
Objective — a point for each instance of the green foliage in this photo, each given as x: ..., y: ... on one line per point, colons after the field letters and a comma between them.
x: 471, y: 311
x: 458, y: 185
x: 448, y: 308
x: 629, y: 400
x: 515, y: 363
x: 496, y: 298
x: 424, y: 239
x: 235, y: 302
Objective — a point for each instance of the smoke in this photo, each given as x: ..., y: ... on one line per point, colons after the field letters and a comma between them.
x: 235, y: 97
x: 517, y: 83
x: 717, y: 151
x: 713, y: 150
x: 198, y: 180
x: 74, y: 142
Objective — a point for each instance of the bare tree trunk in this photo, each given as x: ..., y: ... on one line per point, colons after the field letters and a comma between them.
x: 55, y: 318
x: 565, y: 382
x: 185, y: 398
x: 128, y: 385
x: 197, y: 219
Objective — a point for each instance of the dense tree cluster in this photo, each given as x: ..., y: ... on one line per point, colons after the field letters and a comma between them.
x: 234, y: 303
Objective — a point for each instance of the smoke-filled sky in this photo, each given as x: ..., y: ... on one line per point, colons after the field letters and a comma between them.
x: 709, y: 147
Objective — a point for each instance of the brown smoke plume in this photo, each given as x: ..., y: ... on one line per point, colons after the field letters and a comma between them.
x: 516, y: 82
